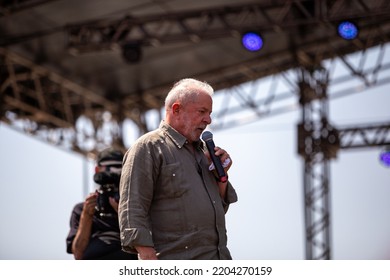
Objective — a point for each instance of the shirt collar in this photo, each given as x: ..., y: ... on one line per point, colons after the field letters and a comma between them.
x: 176, y: 137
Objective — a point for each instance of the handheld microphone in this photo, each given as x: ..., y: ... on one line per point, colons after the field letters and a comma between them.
x: 207, y: 137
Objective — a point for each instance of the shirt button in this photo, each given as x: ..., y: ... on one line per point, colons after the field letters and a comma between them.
x: 186, y: 247
x: 214, y: 201
x: 173, y: 174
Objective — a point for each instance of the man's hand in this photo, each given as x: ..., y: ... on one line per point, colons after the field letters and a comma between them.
x: 113, y: 203
x: 226, y: 163
x: 90, y: 203
x: 223, y: 155
x: 146, y: 253
x: 83, y: 234
x: 225, y: 158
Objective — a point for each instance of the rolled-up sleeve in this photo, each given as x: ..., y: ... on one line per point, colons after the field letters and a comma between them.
x: 136, y: 194
x: 230, y: 197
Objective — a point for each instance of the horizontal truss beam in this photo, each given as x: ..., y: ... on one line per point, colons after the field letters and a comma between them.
x: 227, y: 21
x: 373, y: 135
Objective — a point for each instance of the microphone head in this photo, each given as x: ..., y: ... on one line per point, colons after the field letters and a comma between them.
x: 207, y: 135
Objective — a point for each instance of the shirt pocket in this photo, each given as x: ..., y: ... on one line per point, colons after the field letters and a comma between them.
x: 170, y: 182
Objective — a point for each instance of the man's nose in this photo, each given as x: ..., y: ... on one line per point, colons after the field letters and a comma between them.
x: 208, y: 119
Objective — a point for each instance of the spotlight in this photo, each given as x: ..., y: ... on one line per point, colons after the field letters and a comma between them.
x: 252, y: 41
x: 348, y: 30
x: 132, y: 52
x: 385, y: 156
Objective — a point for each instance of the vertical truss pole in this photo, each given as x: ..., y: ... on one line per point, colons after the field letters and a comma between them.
x: 317, y: 205
x: 317, y: 143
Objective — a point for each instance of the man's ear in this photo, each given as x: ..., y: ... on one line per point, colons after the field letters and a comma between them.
x: 175, y: 108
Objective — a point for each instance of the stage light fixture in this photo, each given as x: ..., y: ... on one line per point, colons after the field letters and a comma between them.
x: 348, y: 30
x: 252, y: 41
x: 132, y: 52
x: 385, y: 156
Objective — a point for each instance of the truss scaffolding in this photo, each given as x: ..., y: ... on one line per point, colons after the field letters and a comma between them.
x: 43, y: 102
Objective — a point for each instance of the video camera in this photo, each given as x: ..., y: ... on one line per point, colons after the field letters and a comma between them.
x: 107, y: 175
x: 103, y: 206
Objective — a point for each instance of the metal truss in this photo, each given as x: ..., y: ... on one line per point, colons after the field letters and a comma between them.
x: 359, y: 136
x: 198, y: 25
x: 280, y: 93
x: 66, y: 114
x: 48, y: 105
x: 318, y: 143
x: 292, y: 20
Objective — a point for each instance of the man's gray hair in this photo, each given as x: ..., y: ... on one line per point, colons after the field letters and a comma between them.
x: 186, y: 90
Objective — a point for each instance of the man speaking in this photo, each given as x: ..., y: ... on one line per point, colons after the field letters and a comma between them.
x: 172, y: 204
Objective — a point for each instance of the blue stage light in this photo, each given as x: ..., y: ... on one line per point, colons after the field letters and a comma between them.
x: 348, y: 30
x: 252, y: 41
x: 385, y: 157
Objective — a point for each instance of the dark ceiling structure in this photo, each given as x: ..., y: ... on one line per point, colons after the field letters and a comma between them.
x: 62, y: 60
x: 103, y: 62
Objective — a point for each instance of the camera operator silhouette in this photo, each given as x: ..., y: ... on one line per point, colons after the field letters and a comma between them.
x: 94, y: 226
